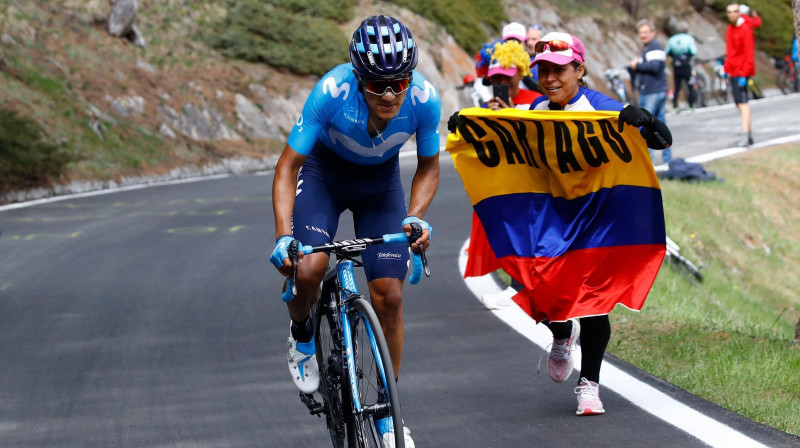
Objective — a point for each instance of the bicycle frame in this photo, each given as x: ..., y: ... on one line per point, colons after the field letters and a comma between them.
x: 352, y: 326
x: 617, y: 85
x: 348, y: 288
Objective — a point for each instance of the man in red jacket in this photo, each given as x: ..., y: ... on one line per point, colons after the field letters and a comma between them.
x: 740, y: 62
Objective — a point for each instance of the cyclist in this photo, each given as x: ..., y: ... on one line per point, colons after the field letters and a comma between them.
x: 343, y: 153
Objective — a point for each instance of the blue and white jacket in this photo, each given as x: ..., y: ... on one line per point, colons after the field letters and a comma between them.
x: 650, y: 74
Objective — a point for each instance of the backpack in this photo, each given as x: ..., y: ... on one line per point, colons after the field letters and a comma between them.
x: 680, y: 169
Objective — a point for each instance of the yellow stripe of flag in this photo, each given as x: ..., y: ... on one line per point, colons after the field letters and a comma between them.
x: 565, y: 154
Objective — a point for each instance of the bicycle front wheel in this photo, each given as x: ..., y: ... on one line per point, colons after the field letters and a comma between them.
x: 376, y: 387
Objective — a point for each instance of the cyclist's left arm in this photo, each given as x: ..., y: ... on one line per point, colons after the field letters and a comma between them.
x: 423, y: 189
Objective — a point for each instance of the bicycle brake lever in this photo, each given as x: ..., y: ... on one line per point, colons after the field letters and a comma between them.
x: 416, y: 233
x: 292, y: 252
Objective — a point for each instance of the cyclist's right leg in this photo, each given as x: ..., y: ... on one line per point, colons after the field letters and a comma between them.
x: 315, y: 220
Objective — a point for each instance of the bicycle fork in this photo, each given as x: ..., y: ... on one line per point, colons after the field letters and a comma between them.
x: 347, y: 278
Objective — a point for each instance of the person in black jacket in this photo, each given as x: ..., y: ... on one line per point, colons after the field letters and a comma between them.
x: 651, y: 77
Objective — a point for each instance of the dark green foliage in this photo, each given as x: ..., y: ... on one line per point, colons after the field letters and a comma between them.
x: 26, y: 158
x: 468, y: 21
x: 300, y: 35
x: 774, y: 37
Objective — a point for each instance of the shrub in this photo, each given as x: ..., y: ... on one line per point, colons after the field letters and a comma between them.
x: 26, y: 158
x: 300, y: 35
x: 468, y: 21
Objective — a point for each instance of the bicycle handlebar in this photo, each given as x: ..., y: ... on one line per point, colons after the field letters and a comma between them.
x: 355, y: 247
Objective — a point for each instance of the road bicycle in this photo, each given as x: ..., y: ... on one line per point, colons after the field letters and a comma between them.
x: 699, y: 80
x: 788, y: 75
x: 614, y: 79
x: 357, y: 385
x: 718, y: 89
x: 682, y: 263
x: 755, y: 91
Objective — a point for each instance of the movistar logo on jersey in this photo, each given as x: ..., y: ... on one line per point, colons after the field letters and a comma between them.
x: 420, y: 95
x: 389, y: 142
x: 329, y: 85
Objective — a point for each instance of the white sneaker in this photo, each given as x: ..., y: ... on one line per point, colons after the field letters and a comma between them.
x: 303, y: 365
x: 386, y: 429
x: 561, y: 362
x: 499, y: 300
x: 589, y: 398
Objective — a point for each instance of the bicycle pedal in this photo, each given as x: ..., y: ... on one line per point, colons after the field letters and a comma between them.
x: 314, y: 406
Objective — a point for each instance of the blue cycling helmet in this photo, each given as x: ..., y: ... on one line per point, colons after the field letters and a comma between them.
x: 383, y: 48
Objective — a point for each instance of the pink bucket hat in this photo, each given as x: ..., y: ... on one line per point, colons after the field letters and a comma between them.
x: 496, y: 69
x: 574, y: 51
x: 515, y: 30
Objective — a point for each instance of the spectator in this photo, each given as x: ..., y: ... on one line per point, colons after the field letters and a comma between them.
x: 562, y: 70
x: 740, y: 61
x: 651, y: 77
x: 516, y: 31
x: 795, y: 56
x: 681, y: 47
x: 470, y: 97
x: 509, y: 64
x: 534, y: 35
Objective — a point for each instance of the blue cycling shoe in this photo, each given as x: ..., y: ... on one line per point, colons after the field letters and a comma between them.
x: 386, y: 429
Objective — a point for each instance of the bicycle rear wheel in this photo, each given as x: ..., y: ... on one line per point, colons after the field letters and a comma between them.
x: 377, y: 389
x: 700, y: 92
x: 782, y: 81
x: 330, y: 357
x: 755, y: 90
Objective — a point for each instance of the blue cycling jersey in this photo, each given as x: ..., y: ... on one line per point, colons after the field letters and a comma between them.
x: 586, y: 100
x: 336, y: 114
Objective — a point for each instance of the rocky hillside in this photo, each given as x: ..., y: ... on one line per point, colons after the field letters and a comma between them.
x: 158, y: 102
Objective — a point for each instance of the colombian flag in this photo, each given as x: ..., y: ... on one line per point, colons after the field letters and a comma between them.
x: 570, y: 206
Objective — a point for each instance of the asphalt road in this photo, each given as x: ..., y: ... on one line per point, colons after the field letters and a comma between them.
x: 151, y: 318
x: 715, y: 128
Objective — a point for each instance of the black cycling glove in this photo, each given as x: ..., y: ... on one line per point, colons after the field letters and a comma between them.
x: 635, y: 116
x: 452, y: 122
x: 654, y: 131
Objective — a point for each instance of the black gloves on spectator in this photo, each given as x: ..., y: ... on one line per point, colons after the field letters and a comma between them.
x: 452, y: 122
x: 635, y: 116
x: 654, y: 131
